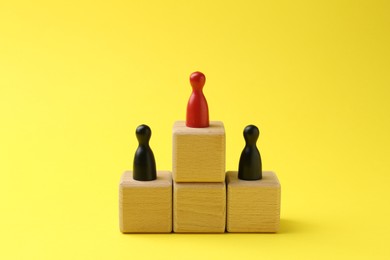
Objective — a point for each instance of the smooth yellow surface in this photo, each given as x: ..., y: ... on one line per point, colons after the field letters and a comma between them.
x: 77, y: 77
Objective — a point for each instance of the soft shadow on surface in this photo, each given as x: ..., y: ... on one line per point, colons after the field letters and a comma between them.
x: 288, y: 226
x: 173, y: 234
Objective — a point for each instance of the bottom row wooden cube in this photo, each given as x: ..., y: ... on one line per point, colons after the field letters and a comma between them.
x: 253, y: 206
x: 246, y: 206
x: 199, y: 207
x: 145, y: 206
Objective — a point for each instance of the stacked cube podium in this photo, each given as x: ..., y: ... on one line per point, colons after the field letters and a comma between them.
x: 199, y: 196
x: 199, y: 189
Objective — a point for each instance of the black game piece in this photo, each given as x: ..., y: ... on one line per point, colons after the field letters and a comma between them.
x: 144, y: 167
x: 250, y: 160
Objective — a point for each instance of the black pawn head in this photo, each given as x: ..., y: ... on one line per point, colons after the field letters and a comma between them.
x: 144, y: 167
x: 251, y: 134
x: 143, y: 134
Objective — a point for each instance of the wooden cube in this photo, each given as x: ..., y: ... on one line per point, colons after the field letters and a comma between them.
x: 145, y: 206
x: 253, y: 206
x: 199, y: 207
x: 198, y: 154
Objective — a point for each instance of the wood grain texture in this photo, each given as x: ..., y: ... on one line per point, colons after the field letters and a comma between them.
x: 145, y: 206
x: 198, y: 154
x: 199, y: 207
x: 253, y: 206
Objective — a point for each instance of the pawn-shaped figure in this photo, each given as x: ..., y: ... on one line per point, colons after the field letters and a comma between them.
x: 197, y: 108
x: 250, y: 160
x: 144, y: 167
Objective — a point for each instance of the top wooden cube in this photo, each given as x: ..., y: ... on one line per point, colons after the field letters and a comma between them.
x: 198, y: 154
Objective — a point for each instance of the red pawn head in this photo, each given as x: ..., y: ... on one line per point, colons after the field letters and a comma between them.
x: 197, y: 108
x: 197, y: 80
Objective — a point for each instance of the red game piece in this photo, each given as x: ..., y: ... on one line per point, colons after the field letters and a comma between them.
x: 197, y: 108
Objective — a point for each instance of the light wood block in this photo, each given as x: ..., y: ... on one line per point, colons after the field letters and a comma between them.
x: 253, y: 206
x: 198, y: 154
x: 145, y: 206
x: 199, y: 207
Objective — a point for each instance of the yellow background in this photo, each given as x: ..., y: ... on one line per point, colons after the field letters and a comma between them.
x: 77, y: 78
